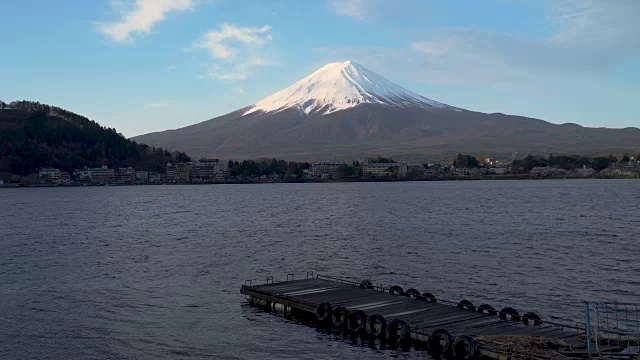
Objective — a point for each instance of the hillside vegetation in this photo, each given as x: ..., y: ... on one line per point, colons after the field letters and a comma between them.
x: 34, y: 135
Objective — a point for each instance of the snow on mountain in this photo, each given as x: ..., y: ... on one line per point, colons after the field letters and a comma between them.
x: 342, y: 85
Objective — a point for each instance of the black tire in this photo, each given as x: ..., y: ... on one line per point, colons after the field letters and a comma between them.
x: 323, y: 313
x: 440, y: 342
x: 531, y: 316
x: 413, y: 293
x: 395, y: 289
x: 429, y: 297
x: 466, y: 304
x: 488, y: 309
x: 377, y: 326
x: 465, y: 347
x: 340, y: 317
x: 398, y: 333
x: 357, y: 322
x: 509, y: 311
x: 366, y: 284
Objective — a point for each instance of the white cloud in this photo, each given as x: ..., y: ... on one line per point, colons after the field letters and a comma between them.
x: 156, y: 105
x: 357, y: 9
x: 231, y: 76
x: 141, y: 19
x: 171, y: 68
x: 223, y: 43
x: 241, y: 71
x: 589, y: 39
x: 238, y: 51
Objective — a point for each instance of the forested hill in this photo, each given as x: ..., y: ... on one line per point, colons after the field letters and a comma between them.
x: 34, y: 135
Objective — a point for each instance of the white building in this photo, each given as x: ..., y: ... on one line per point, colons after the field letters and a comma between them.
x: 49, y: 174
x: 462, y: 171
x: 142, y: 176
x: 65, y: 178
x: 81, y: 174
x: 124, y: 175
x: 101, y: 175
x: 499, y: 169
x: 154, y: 177
x: 171, y: 172
x: 207, y: 169
x: 325, y: 168
x: 384, y: 169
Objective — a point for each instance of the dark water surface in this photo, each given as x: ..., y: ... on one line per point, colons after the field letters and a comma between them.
x: 146, y: 272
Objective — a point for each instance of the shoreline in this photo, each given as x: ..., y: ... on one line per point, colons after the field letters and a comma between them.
x: 322, y: 181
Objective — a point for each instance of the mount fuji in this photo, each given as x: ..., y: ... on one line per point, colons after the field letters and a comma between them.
x: 339, y: 86
x: 345, y: 111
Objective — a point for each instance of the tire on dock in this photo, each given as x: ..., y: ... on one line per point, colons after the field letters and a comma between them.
x: 531, y: 316
x: 395, y: 289
x: 377, y: 326
x: 398, y: 333
x: 488, y: 309
x: 323, y: 313
x: 340, y: 317
x: 465, y: 348
x: 440, y: 342
x: 357, y: 322
x: 509, y: 312
x: 413, y: 293
x: 466, y: 304
x: 366, y: 284
x: 429, y: 297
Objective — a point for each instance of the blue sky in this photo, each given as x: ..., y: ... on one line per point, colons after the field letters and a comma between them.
x: 149, y: 65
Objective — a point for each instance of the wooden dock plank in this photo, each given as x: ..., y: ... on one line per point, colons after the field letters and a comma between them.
x: 423, y: 316
x: 305, y: 283
x: 447, y: 322
x: 345, y: 297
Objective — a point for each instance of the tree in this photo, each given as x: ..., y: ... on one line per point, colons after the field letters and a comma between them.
x: 524, y: 166
x: 382, y: 160
x: 482, y: 159
x: 182, y: 157
x: 601, y: 163
x: 465, y: 160
x: 54, y: 137
x: 347, y: 171
x: 415, y: 172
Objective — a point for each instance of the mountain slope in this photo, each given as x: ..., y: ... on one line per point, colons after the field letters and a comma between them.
x: 346, y: 111
x: 34, y: 135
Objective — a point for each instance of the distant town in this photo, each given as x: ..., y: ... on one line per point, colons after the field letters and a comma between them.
x: 463, y: 167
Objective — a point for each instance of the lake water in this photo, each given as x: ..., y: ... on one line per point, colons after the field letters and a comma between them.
x: 147, y: 272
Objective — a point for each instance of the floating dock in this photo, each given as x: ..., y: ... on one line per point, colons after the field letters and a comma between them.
x: 407, y: 318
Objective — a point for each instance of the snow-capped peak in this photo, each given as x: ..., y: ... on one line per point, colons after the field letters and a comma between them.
x: 342, y: 85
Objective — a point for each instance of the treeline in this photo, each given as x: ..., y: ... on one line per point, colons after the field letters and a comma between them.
x: 265, y: 166
x: 54, y: 137
x: 566, y: 162
x: 526, y: 164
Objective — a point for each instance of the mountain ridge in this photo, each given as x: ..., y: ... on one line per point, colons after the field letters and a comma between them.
x: 318, y: 124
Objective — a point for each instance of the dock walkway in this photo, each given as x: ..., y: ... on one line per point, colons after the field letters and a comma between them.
x: 412, y: 316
